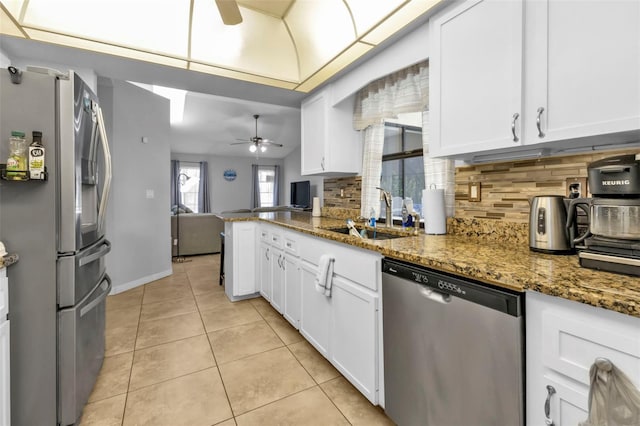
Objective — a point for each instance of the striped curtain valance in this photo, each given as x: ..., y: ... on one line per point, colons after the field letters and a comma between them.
x: 403, y: 91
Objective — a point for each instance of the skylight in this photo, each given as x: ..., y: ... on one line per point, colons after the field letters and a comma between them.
x: 293, y: 44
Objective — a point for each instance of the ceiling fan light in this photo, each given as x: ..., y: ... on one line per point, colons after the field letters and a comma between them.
x: 253, y: 148
x: 263, y: 148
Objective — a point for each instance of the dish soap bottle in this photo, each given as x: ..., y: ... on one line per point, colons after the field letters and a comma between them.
x: 17, y: 161
x: 36, y: 157
x: 405, y: 215
x: 372, y: 218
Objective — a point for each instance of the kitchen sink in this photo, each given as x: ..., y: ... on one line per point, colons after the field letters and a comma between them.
x: 370, y: 235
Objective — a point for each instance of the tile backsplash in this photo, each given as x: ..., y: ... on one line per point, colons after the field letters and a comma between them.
x: 505, y: 188
x: 343, y: 192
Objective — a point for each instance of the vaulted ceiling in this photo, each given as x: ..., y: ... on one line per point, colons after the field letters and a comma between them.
x: 289, y: 44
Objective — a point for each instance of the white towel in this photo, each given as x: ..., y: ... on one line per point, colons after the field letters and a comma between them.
x: 324, y: 277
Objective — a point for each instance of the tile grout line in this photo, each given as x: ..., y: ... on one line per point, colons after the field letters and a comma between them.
x: 318, y: 384
x: 133, y: 358
x: 332, y: 401
x: 312, y: 378
x: 307, y: 371
x: 215, y: 360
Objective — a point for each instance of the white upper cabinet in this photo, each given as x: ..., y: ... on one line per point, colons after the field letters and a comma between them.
x: 475, y: 82
x: 582, y: 66
x: 329, y: 145
x: 509, y: 74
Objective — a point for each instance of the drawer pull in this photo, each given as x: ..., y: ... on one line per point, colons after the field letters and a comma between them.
x: 540, y: 132
x: 547, y: 406
x: 513, y: 126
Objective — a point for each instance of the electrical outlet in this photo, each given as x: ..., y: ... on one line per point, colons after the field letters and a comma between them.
x: 577, y: 187
x: 475, y: 194
x: 175, y: 241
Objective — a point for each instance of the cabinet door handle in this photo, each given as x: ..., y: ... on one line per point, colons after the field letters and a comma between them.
x: 513, y: 126
x: 540, y: 132
x: 547, y: 406
x: 322, y: 163
x: 266, y: 253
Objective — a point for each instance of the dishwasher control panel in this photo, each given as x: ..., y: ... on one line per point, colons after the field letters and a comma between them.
x: 441, y: 282
x: 423, y: 278
x: 420, y: 278
x: 446, y: 285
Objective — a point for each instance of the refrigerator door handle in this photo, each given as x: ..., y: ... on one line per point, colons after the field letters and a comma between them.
x: 105, y: 286
x: 104, y: 249
x: 102, y: 211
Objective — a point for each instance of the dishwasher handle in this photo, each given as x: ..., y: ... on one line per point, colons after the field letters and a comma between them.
x: 436, y: 296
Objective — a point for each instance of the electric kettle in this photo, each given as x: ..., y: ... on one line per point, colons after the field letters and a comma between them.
x: 548, y: 232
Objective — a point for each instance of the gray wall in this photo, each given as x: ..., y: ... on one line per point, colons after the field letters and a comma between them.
x: 292, y: 167
x: 138, y: 215
x: 230, y: 195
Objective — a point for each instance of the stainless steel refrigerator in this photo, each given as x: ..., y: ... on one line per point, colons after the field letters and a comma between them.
x: 58, y: 289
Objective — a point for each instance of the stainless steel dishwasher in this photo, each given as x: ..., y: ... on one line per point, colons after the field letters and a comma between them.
x: 453, y: 350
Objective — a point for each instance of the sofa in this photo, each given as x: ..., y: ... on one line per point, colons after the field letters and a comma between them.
x: 199, y: 233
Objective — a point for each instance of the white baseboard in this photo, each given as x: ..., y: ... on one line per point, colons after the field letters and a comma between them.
x: 140, y: 281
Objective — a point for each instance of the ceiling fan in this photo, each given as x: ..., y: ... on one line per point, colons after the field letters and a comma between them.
x: 257, y: 142
x: 229, y: 12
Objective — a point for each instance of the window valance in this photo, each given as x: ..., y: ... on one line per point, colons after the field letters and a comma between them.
x: 403, y: 91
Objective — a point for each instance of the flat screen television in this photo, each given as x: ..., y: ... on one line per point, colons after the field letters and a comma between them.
x: 301, y: 194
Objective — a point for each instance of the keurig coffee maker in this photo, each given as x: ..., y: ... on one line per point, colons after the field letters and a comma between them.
x: 613, y: 240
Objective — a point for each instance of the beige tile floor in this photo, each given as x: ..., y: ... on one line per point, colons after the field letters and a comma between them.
x: 178, y: 352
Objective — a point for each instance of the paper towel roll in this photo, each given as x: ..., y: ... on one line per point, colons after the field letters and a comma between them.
x: 434, y: 211
x: 316, y: 207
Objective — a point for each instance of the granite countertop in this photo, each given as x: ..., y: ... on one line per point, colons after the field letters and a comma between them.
x: 506, y: 264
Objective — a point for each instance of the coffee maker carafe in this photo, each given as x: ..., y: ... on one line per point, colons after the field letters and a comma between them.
x: 613, y: 240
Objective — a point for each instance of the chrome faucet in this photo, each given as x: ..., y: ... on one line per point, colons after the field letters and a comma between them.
x: 386, y: 196
x: 416, y: 222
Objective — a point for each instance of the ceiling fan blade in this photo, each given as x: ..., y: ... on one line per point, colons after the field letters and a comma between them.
x: 229, y: 12
x: 240, y: 143
x: 270, y: 143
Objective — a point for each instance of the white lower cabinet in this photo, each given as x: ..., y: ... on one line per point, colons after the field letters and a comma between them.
x: 315, y: 311
x: 240, y: 259
x: 5, y: 376
x: 277, y: 278
x: 345, y: 327
x: 265, y: 271
x: 354, y: 335
x: 563, y: 340
x: 292, y: 289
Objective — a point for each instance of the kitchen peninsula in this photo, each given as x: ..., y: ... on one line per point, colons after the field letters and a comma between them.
x: 497, y: 262
x: 572, y: 315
